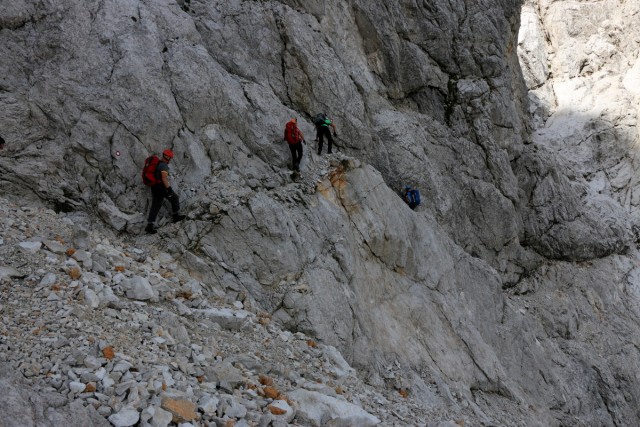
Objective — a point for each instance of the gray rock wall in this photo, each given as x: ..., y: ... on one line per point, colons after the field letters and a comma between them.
x: 462, y: 294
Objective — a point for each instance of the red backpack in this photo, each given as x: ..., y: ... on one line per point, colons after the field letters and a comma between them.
x: 292, y: 133
x: 149, y: 175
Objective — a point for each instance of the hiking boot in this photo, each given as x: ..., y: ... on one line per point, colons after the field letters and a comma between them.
x: 151, y: 229
x: 178, y: 217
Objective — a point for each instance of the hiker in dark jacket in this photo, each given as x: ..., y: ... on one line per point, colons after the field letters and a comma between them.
x: 162, y: 191
x: 323, y: 123
x: 294, y: 137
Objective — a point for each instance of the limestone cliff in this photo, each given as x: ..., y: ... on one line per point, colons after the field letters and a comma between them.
x: 512, y: 290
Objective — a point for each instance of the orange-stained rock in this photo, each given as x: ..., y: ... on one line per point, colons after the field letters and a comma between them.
x: 75, y: 273
x: 182, y: 410
x: 276, y: 411
x: 108, y: 353
x: 70, y: 251
x: 271, y: 392
x: 312, y: 343
x: 265, y: 380
x: 119, y: 268
x: 90, y: 388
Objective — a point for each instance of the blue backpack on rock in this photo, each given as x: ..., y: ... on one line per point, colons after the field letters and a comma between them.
x: 412, y: 197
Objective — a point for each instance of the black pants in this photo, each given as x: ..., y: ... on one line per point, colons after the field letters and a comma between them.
x: 296, y: 155
x: 322, y: 132
x: 159, y: 193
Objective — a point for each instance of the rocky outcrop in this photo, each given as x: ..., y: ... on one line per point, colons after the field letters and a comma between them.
x: 418, y: 104
x: 498, y: 299
x: 580, y: 64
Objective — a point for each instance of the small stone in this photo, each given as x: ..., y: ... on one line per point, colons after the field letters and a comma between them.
x: 125, y: 417
x: 48, y: 280
x: 82, y: 256
x: 100, y: 373
x: 88, y: 377
x: 108, y: 353
x: 281, y: 408
x: 30, y: 247
x: 226, y: 375
x: 161, y: 418
x: 54, y: 246
x: 8, y: 272
x: 208, y: 404
x: 265, y: 380
x: 108, y: 382
x: 75, y: 273
x: 122, y: 366
x: 91, y: 299
x: 235, y: 410
x: 76, y: 387
x: 138, y: 288
x: 182, y: 410
x: 276, y: 411
x: 60, y: 342
x: 92, y: 362
x: 271, y: 392
x: 105, y: 411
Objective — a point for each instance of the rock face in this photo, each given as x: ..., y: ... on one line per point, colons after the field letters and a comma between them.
x: 508, y: 297
x: 581, y: 66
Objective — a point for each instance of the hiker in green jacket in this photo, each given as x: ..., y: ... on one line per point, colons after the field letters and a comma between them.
x: 323, y: 123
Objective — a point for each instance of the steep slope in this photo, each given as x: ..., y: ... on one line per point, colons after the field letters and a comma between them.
x: 95, y: 329
x: 483, y: 297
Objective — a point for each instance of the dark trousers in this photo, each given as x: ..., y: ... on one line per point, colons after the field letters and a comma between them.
x: 322, y: 132
x: 296, y: 155
x: 159, y: 193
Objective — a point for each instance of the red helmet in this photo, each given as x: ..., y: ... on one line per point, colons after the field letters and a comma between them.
x: 168, y: 153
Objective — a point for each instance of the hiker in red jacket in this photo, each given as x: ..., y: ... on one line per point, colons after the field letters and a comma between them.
x: 294, y: 138
x: 161, y: 190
